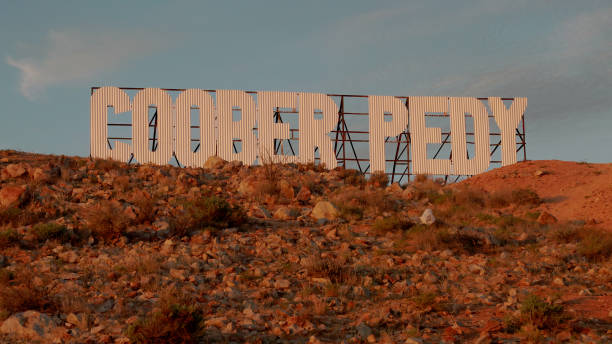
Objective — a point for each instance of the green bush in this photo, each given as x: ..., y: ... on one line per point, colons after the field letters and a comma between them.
x: 207, y: 212
x: 595, y: 245
x: 541, y: 314
x: 390, y: 224
x: 8, y: 237
x: 50, y: 230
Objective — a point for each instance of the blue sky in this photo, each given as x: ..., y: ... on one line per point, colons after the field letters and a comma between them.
x: 556, y: 53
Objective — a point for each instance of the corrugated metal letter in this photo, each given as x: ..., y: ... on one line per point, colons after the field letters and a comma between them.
x: 421, y: 135
x: 268, y: 130
x: 204, y: 103
x: 140, y: 126
x: 480, y: 162
x: 230, y: 129
x: 314, y: 132
x: 380, y: 129
x: 101, y: 99
x: 508, y: 120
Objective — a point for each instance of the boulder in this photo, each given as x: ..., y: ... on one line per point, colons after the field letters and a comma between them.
x: 31, y: 325
x: 11, y: 195
x: 14, y: 171
x: 304, y: 194
x: 546, y: 218
x: 394, y: 189
x: 285, y: 189
x: 247, y: 187
x: 408, y: 193
x: 428, y: 218
x: 325, y: 210
x: 214, y: 162
x: 283, y: 213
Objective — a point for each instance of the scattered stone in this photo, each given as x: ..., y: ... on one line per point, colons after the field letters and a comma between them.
x: 78, y: 320
x: 363, y: 330
x: 540, y: 173
x: 14, y: 171
x: 11, y: 195
x: 214, y: 163
x: 546, y: 218
x: 303, y: 195
x: 325, y: 210
x: 285, y: 189
x: 282, y: 284
x: 428, y: 218
x: 31, y: 325
x: 284, y: 213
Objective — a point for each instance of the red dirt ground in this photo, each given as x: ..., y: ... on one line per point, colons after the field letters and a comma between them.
x: 570, y: 190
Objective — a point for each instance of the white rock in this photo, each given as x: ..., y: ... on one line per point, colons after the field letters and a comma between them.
x: 428, y: 218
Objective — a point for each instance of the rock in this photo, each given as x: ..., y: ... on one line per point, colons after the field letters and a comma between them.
x: 69, y: 257
x: 524, y: 236
x: 539, y: 173
x: 80, y: 320
x: 14, y: 171
x: 214, y: 162
x: 428, y: 218
x: 283, y: 213
x: 413, y: 341
x: 363, y: 330
x: 408, y: 193
x: 558, y: 281
x: 39, y: 175
x: 179, y: 274
x: 3, y: 261
x: 167, y: 247
x: 430, y: 277
x: 285, y: 189
x: 394, y: 188
x: 282, y: 284
x: 304, y: 194
x: 546, y: 218
x: 247, y: 187
x: 31, y: 325
x: 11, y: 195
x: 325, y: 210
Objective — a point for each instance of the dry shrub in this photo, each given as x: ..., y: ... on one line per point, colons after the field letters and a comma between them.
x: 177, y: 320
x: 106, y: 220
x: 51, y: 231
x: 432, y: 238
x: 521, y: 197
x: 378, y: 179
x: 595, y: 245
x: 355, y: 203
x: 8, y: 237
x: 336, y: 270
x: 207, y: 212
x: 18, y: 293
x: 121, y: 183
x: 351, y: 177
x: 391, y: 224
x: 538, y: 313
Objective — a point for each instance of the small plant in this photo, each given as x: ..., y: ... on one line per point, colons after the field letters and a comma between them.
x: 50, y: 231
x: 378, y: 179
x: 541, y: 314
x: 106, y: 220
x: 390, y: 224
x: 18, y: 293
x: 595, y: 245
x: 521, y: 197
x: 333, y: 269
x: 178, y: 320
x: 208, y: 212
x: 8, y: 237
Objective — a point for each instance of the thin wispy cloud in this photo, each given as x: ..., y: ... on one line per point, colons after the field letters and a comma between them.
x: 70, y: 56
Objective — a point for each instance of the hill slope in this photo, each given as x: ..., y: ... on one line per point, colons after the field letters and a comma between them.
x: 95, y: 251
x: 570, y: 191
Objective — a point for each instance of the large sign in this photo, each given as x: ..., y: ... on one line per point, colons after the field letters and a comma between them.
x: 318, y: 116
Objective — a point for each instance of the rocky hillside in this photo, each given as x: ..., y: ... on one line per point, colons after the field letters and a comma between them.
x: 94, y: 251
